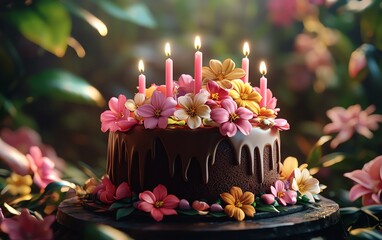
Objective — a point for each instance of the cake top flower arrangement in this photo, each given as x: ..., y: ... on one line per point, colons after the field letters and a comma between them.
x: 219, y: 95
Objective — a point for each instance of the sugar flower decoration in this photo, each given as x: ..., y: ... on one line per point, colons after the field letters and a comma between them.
x: 193, y: 109
x: 305, y: 184
x: 18, y: 185
x: 158, y: 203
x: 133, y: 104
x: 282, y: 195
x: 232, y: 118
x: 271, y: 101
x: 185, y: 84
x: 245, y: 96
x: 157, y: 112
x: 26, y: 226
x: 42, y: 167
x: 118, y: 117
x: 288, y: 166
x: 107, y: 193
x: 369, y: 182
x: 222, y: 73
x: 239, y: 204
x: 347, y: 121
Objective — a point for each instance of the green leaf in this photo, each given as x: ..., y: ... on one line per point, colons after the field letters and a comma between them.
x: 314, y: 156
x: 365, y: 233
x: 62, y: 85
x: 117, y: 205
x: 376, y: 209
x: 332, y: 158
x: 218, y: 214
x: 191, y: 212
x: 349, y: 210
x: 124, y: 212
x: 137, y: 13
x: 266, y: 208
x: 45, y: 23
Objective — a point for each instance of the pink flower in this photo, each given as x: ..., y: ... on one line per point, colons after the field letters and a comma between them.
x: 348, y: 121
x: 158, y: 203
x: 283, y: 196
x: 26, y: 226
x: 369, y: 182
x: 42, y: 167
x: 185, y: 84
x: 282, y: 12
x: 107, y: 193
x: 217, y: 94
x: 232, y: 118
x: 357, y: 61
x: 157, y: 112
x: 15, y: 160
x: 118, y: 117
x: 271, y: 101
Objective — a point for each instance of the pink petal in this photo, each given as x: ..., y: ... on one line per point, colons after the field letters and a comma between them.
x: 274, y: 191
x: 167, y: 211
x: 229, y: 105
x: 162, y: 122
x: 125, y: 125
x: 146, y: 207
x: 282, y: 201
x: 376, y: 168
x: 357, y: 191
x: 146, y: 111
x: 121, y: 103
x: 200, y: 205
x: 170, y: 201
x: 113, y: 105
x: 361, y: 178
x: 219, y: 115
x: 290, y: 197
x: 123, y: 191
x: 367, y: 200
x: 160, y: 192
x: 228, y: 128
x: 147, y: 196
x: 244, y: 126
x: 375, y: 198
x: 156, y: 214
x: 268, y: 198
x: 157, y: 100
x: 244, y: 113
x: 150, y: 123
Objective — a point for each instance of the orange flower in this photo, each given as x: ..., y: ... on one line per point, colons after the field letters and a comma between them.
x: 287, y: 168
x: 238, y: 204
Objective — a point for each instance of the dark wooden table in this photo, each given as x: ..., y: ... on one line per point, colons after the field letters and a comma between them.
x: 307, y: 223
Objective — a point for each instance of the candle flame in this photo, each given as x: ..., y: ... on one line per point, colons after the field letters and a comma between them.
x: 167, y: 50
x: 141, y: 67
x: 246, y: 49
x: 197, y: 43
x: 263, y: 68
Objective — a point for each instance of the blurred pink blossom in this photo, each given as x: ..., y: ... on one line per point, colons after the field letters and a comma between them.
x: 357, y: 62
x: 347, y: 121
x: 26, y: 226
x: 107, y: 193
x: 42, y: 168
x: 369, y: 182
x: 282, y: 12
x: 118, y: 117
x: 15, y: 160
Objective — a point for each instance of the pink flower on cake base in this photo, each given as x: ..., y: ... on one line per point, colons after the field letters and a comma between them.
x: 369, y: 182
x: 193, y: 109
x: 26, y: 226
x: 118, y: 117
x: 348, y: 121
x: 305, y: 184
x: 42, y: 167
x: 232, y: 118
x: 157, y: 112
x: 284, y: 196
x: 158, y: 203
x: 107, y: 193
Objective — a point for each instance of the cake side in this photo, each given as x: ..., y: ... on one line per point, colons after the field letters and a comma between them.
x: 201, y: 165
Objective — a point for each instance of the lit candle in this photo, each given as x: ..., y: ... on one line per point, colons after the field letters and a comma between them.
x: 198, y: 66
x: 263, y: 84
x: 141, y: 78
x: 245, y: 62
x: 169, y: 72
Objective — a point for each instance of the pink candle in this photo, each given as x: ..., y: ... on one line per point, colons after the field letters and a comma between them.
x: 263, y: 85
x: 198, y: 66
x: 169, y: 72
x: 245, y: 62
x: 141, y: 78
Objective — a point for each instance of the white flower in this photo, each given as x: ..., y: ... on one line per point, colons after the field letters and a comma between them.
x: 305, y: 184
x: 132, y: 105
x: 193, y: 109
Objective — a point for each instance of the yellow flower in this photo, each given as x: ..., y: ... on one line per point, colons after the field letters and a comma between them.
x: 245, y: 96
x: 222, y: 73
x: 305, y: 184
x: 18, y: 185
x: 287, y: 168
x: 238, y: 204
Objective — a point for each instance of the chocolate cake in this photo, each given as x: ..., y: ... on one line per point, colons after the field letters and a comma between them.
x: 194, y: 163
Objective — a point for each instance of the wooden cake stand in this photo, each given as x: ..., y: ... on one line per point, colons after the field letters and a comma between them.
x: 307, y: 223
